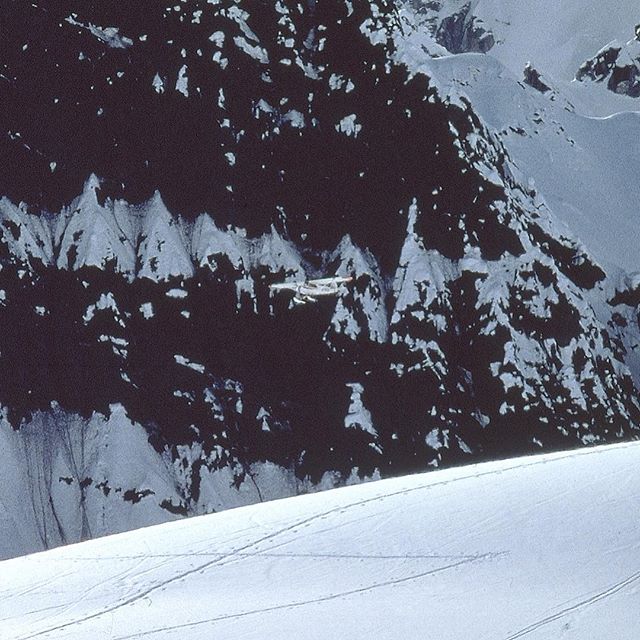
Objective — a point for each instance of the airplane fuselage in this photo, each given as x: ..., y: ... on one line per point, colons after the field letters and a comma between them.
x: 311, y: 290
x: 317, y: 290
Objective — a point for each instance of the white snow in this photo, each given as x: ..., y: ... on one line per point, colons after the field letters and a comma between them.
x: 271, y: 250
x: 33, y: 239
x: 349, y: 126
x: 254, y: 51
x: 208, y: 241
x: 555, y: 36
x: 354, y: 262
x: 358, y: 416
x: 105, y: 301
x: 108, y: 35
x: 64, y: 478
x: 182, y: 83
x: 146, y: 309
x: 162, y: 250
x: 92, y: 234
x: 584, y: 166
x: 177, y: 293
x: 42, y: 502
x: 158, y: 83
x: 543, y: 547
x: 294, y: 118
x: 185, y: 362
x: 143, y: 240
x: 210, y: 245
x: 217, y: 38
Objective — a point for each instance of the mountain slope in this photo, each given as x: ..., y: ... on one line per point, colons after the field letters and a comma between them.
x: 488, y: 316
x: 576, y: 161
x: 64, y: 479
x: 539, y: 547
x: 554, y: 37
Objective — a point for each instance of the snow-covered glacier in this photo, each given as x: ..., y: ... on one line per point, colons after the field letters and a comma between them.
x: 540, y: 547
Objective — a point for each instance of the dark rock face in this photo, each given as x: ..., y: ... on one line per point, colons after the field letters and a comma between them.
x: 467, y: 331
x: 624, y: 325
x: 169, y: 111
x: 458, y: 32
x: 462, y: 32
x: 533, y: 78
x: 616, y: 65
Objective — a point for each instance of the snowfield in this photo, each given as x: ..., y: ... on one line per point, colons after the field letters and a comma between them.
x: 570, y: 143
x: 542, y: 547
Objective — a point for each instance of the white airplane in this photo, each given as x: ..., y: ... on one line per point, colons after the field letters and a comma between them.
x: 311, y: 290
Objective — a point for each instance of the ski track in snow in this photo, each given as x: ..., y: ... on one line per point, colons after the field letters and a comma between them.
x: 293, y: 605
x: 619, y: 586
x: 284, y: 539
x: 289, y: 529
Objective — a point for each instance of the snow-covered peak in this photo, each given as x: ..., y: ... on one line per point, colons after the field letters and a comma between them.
x: 88, y: 234
x: 209, y: 243
x: 421, y: 275
x: 162, y: 251
x: 480, y: 320
x: 361, y: 312
x: 271, y: 250
x: 573, y: 162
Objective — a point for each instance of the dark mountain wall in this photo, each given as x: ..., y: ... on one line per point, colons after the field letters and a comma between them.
x: 469, y: 329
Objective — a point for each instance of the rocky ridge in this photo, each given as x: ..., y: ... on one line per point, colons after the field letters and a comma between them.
x: 616, y: 65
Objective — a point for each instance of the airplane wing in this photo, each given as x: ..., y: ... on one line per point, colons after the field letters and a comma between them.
x: 325, y: 281
x: 284, y: 286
